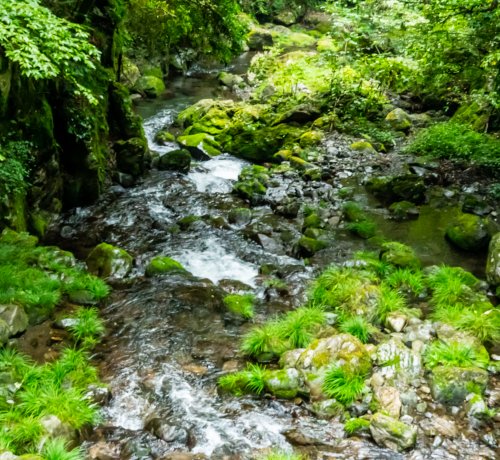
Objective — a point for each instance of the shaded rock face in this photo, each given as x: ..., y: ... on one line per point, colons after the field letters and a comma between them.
x: 493, y: 261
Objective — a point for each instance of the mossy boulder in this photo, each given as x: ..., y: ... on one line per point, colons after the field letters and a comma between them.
x: 451, y: 385
x: 259, y: 145
x: 311, y: 138
x: 161, y: 265
x: 176, y: 160
x: 230, y: 80
x: 399, y: 255
x: 391, y: 433
x: 15, y: 317
x: 258, y: 39
x: 284, y: 383
x: 150, y: 85
x: 390, y: 189
x: 240, y: 216
x: 252, y: 182
x: 363, y: 147
x: 493, y: 261
x: 164, y: 137
x: 307, y: 247
x: 397, y: 362
x: 132, y: 156
x: 201, y: 145
x: 399, y: 120
x: 196, y: 112
x: 301, y: 113
x: 402, y: 210
x: 108, y: 261
x: 469, y: 232
x: 130, y: 73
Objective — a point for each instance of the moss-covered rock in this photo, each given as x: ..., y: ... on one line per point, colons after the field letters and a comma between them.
x: 252, y: 182
x: 311, y: 138
x: 150, y: 85
x: 164, y: 137
x: 240, y: 216
x: 399, y: 120
x: 161, y: 265
x: 493, y: 261
x: 231, y: 80
x: 402, y: 210
x: 176, y: 160
x: 400, y: 255
x: 15, y: 317
x: 200, y: 145
x: 363, y: 146
x: 469, y: 232
x: 284, y: 383
x: 390, y: 189
x: 132, y: 156
x: 451, y: 385
x: 307, y: 247
x: 108, y: 261
x: 391, y: 433
x: 259, y: 38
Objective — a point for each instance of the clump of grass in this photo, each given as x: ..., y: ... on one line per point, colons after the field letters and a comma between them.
x: 343, y: 383
x: 353, y: 212
x: 57, y: 449
x: 406, y: 281
x: 455, y: 354
x: 250, y: 380
x: 275, y: 283
x: 389, y: 300
x: 371, y: 261
x: 88, y: 327
x: 263, y: 342
x: 298, y: 326
x: 353, y: 425
x: 358, y: 327
x: 241, y: 304
x: 481, y: 320
x: 278, y: 455
x: 96, y: 288
x: 451, y: 285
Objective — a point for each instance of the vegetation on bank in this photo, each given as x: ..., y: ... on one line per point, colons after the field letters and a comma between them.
x: 43, y: 406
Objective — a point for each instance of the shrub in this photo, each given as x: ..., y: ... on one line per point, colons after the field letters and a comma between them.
x: 344, y: 384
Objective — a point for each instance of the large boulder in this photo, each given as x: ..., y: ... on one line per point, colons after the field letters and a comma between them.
x: 108, y: 261
x: 397, y: 363
x: 15, y: 317
x: 258, y: 39
x: 132, y: 156
x: 493, y: 261
x: 161, y: 265
x: 391, y: 433
x: 469, y: 232
x: 284, y: 383
x: 176, y: 160
x: 202, y: 145
x: 451, y: 385
x: 391, y: 189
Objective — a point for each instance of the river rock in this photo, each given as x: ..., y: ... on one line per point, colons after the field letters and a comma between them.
x: 450, y: 385
x: 469, y: 232
x: 257, y: 39
x: 164, y: 137
x: 402, y: 210
x: 284, y: 383
x: 389, y: 400
x: 391, y: 433
x: 201, y: 145
x: 104, y: 451
x: 438, y: 425
x: 327, y: 409
x: 399, y: 120
x: 150, y: 85
x: 391, y: 189
x: 307, y: 247
x: 15, y: 317
x: 493, y: 261
x: 175, y: 160
x: 476, y: 407
x: 396, y: 321
x: 231, y: 80
x: 291, y: 357
x: 132, y: 156
x: 108, y: 261
x: 397, y: 362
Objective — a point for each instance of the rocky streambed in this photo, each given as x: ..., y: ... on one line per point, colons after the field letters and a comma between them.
x: 239, y: 228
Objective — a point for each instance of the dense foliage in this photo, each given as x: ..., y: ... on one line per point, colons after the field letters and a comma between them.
x: 46, y: 46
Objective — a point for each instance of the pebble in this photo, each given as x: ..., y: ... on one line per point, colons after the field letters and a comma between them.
x: 425, y: 389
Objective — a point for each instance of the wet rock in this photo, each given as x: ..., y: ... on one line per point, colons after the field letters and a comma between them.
x: 108, y: 261
x: 240, y: 216
x: 284, y: 383
x: 307, y: 247
x: 403, y: 210
x: 451, y: 385
x: 15, y: 317
x: 176, y: 160
x: 300, y: 437
x: 104, y: 451
x: 161, y: 265
x: 327, y: 409
x: 399, y: 254
x: 474, y: 204
x: 98, y: 394
x: 437, y: 425
x: 164, y: 137
x: 493, y: 261
x: 150, y: 85
x: 399, y: 120
x: 390, y: 189
x: 168, y: 433
x: 469, y: 232
x: 391, y: 433
x: 230, y: 80
x: 476, y: 407
x: 132, y: 156
x: 183, y: 456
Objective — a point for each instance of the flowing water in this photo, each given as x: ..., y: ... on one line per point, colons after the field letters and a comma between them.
x: 169, y: 340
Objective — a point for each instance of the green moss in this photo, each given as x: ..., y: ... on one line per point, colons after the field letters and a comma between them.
x: 152, y: 86
x: 365, y: 229
x: 241, y: 304
x: 399, y: 255
x: 344, y: 384
x: 106, y: 260
x: 469, y: 232
x: 200, y: 142
x: 161, y: 265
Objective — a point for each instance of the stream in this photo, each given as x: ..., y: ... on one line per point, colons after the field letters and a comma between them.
x: 168, y: 337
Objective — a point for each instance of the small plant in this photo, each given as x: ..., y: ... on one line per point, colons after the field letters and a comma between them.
x: 353, y: 425
x: 343, y: 383
x: 241, y: 304
x: 389, y: 300
x: 250, y: 380
x: 275, y: 283
x: 481, y: 320
x: 455, y: 354
x: 372, y: 261
x: 263, y: 342
x: 278, y: 455
x: 57, y: 449
x: 364, y: 229
x: 353, y: 212
x: 298, y: 326
x: 96, y: 287
x: 406, y: 281
x: 358, y: 327
x: 88, y: 327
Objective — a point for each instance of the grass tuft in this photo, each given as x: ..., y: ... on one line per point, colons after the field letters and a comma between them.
x: 358, y: 327
x: 455, y: 354
x: 344, y: 384
x: 57, y: 449
x: 241, y: 304
x: 353, y: 425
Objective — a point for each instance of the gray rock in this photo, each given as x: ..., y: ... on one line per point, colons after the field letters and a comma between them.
x: 4, y: 332
x: 450, y: 385
x: 391, y: 433
x: 15, y: 317
x: 389, y: 400
x: 399, y: 120
x: 8, y: 456
x: 55, y: 428
x: 397, y: 362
